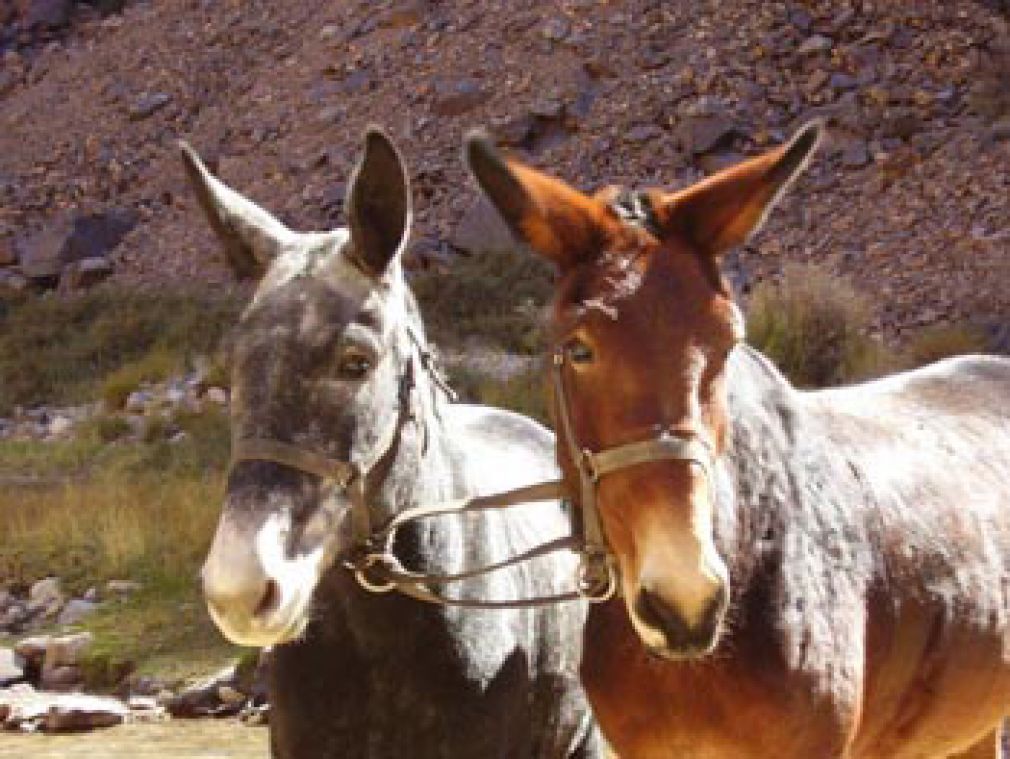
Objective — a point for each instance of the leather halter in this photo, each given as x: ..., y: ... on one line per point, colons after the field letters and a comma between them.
x: 668, y: 445
x: 371, y: 558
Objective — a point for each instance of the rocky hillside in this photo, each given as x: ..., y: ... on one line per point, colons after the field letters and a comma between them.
x: 910, y: 196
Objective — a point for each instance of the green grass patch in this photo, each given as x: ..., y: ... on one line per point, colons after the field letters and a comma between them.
x: 162, y: 631
x: 60, y: 349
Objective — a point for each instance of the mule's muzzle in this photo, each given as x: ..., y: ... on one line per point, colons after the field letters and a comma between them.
x: 681, y: 639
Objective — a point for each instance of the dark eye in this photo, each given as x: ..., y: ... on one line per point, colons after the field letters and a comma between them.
x: 578, y: 352
x: 353, y: 365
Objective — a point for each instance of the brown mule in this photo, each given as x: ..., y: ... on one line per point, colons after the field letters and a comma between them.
x: 832, y: 579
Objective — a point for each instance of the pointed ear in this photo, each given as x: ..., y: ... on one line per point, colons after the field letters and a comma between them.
x: 722, y: 211
x: 378, y: 209
x: 556, y: 220
x: 251, y: 236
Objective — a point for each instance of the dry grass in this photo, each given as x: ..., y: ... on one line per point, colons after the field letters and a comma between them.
x: 942, y: 341
x: 98, y: 511
x: 815, y: 327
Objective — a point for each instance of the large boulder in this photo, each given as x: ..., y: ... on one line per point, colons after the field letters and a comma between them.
x: 67, y: 240
x: 482, y: 230
x: 44, y: 14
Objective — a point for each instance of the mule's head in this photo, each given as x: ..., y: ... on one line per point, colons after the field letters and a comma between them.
x: 319, y: 363
x: 643, y: 323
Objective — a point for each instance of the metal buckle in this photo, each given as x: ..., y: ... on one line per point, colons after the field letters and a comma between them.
x: 360, y: 569
x: 588, y: 467
x: 596, y: 576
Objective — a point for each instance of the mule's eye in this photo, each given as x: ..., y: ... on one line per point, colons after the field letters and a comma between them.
x: 354, y: 365
x: 578, y: 352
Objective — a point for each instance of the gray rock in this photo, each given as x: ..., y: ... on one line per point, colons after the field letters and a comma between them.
x: 815, y: 44
x: 46, y: 590
x: 556, y: 29
x: 455, y: 97
x: 138, y: 401
x: 63, y: 678
x: 24, y: 708
x: 46, y: 14
x: 842, y: 82
x: 33, y: 649
x: 702, y: 134
x: 855, y: 155
x: 76, y: 610
x: 12, y: 667
x: 644, y: 133
x: 122, y: 587
x: 148, y: 105
x: 11, y: 279
x: 217, y: 395
x: 60, y: 425
x: 85, y: 273
x: 66, y: 650
x: 482, y: 230
x: 41, y: 254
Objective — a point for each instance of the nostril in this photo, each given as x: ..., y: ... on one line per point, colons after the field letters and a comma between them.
x: 651, y: 609
x: 270, y: 599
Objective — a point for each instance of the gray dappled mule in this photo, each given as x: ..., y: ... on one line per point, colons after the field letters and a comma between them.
x: 330, y: 358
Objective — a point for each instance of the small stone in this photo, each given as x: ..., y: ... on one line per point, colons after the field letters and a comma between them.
x: 66, y: 650
x: 45, y: 590
x: 230, y: 695
x: 60, y: 426
x: 644, y: 133
x: 61, y: 678
x: 13, y: 280
x: 85, y: 273
x: 855, y: 155
x: 76, y: 610
x: 456, y: 97
x: 138, y: 401
x: 842, y: 82
x: 12, y: 667
x: 34, y: 648
x: 817, y: 80
x: 815, y: 44
x: 482, y: 230
x: 556, y: 29
x: 148, y: 104
x: 84, y: 713
x: 217, y: 395
x: 122, y: 587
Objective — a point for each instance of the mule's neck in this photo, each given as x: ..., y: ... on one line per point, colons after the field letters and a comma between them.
x: 765, y: 422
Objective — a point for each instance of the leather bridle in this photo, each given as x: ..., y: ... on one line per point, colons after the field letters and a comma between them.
x: 372, y: 560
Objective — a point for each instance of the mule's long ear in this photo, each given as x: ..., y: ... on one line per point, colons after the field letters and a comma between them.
x: 555, y: 219
x: 251, y: 237
x: 725, y: 209
x: 378, y: 209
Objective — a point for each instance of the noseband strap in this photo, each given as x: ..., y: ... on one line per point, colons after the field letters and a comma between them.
x: 668, y: 445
